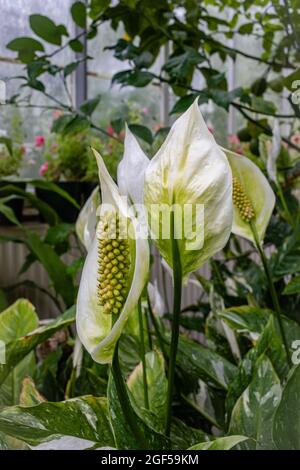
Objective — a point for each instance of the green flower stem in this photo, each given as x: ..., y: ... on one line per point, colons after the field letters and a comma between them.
x: 143, y: 355
x: 125, y: 401
x: 284, y: 206
x: 272, y: 290
x: 177, y: 291
x: 157, y: 331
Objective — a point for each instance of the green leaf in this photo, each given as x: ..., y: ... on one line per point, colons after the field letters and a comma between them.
x: 17, y: 321
x: 18, y: 349
x: 26, y: 48
x: 183, y: 436
x: 142, y: 132
x: 246, y: 28
x: 253, y: 413
x: 247, y: 320
x: 286, y: 424
x: 8, y: 213
x: 198, y: 362
x: 54, y: 266
x: 264, y: 106
x: 97, y: 7
x: 60, y: 123
x: 83, y: 418
x: 259, y: 86
x: 222, y: 443
x: 224, y: 98
x: 290, y: 79
x: 46, y: 29
x: 76, y: 125
x: 48, y: 213
x: 137, y: 78
x: 49, y: 186
x: 270, y: 344
x: 58, y: 234
x: 181, y: 66
x: 125, y: 438
x: 183, y: 103
x: 8, y: 144
x: 157, y: 386
x: 293, y: 287
x: 78, y: 12
x: 89, y: 106
x: 76, y: 45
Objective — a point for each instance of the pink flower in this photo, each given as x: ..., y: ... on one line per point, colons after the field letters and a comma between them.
x: 211, y: 130
x: 110, y: 130
x: 56, y: 114
x: 43, y: 169
x: 233, y: 139
x: 39, y: 141
x: 157, y: 127
x: 145, y: 110
x: 31, y: 162
x: 296, y: 139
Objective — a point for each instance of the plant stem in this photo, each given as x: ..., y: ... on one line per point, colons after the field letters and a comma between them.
x: 157, y: 331
x: 284, y: 206
x: 124, y: 400
x: 273, y: 293
x: 143, y: 355
x: 177, y: 290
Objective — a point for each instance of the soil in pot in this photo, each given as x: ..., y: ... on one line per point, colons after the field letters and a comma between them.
x: 65, y: 209
x: 16, y: 205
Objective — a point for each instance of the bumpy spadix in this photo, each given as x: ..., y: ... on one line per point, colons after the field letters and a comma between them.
x: 114, y: 273
x: 190, y: 170
x: 253, y: 197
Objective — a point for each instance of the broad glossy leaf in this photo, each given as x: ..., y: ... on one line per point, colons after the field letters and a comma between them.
x: 157, y: 385
x: 84, y: 418
x: 54, y: 266
x: 286, y: 424
x: 197, y: 361
x: 293, y: 287
x: 270, y: 344
x: 15, y: 322
x: 125, y: 438
x: 247, y: 320
x: 18, y: 349
x: 253, y: 413
x: 183, y: 436
x: 222, y: 443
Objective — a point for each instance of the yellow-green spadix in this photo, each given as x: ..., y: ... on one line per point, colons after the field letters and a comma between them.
x: 114, y: 274
x: 190, y: 171
x: 253, y: 197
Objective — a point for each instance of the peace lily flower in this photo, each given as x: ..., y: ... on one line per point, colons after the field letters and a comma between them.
x: 190, y: 170
x: 253, y: 197
x: 87, y: 219
x: 131, y: 169
x: 114, y: 274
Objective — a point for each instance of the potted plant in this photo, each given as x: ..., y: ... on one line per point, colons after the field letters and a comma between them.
x: 68, y: 162
x: 10, y: 162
